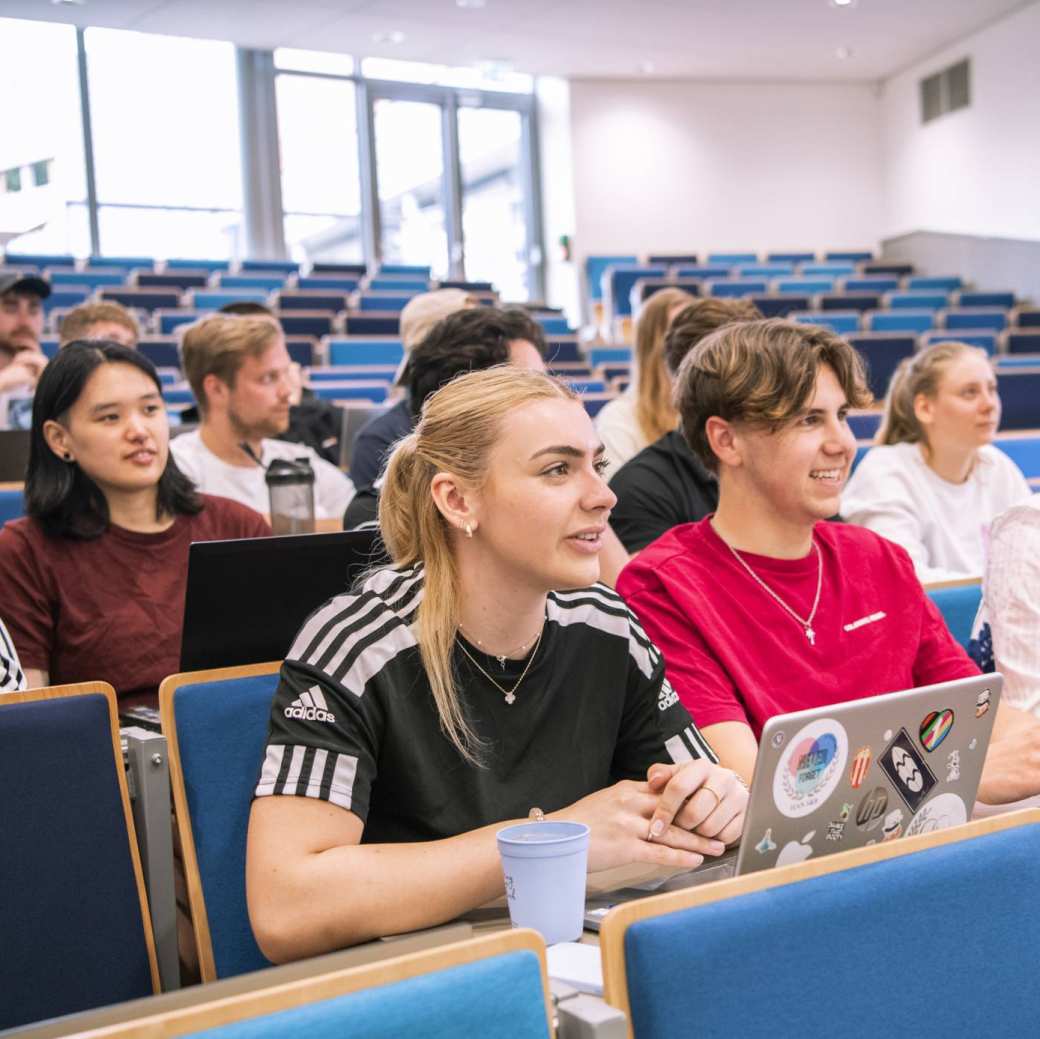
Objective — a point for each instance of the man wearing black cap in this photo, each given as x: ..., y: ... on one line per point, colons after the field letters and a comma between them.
x: 21, y: 359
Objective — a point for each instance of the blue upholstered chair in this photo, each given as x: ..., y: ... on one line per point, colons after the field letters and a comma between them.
x: 365, y: 351
x: 412, y: 270
x: 214, y: 299
x: 142, y: 299
x: 75, y: 932
x: 882, y: 352
x: 864, y: 424
x: 871, y: 283
x: 161, y: 351
x: 983, y: 340
x: 732, y: 259
x: 274, y: 266
x: 735, y: 288
x: 92, y: 279
x: 358, y: 324
x: 849, y: 255
x: 916, y: 300
x: 124, y: 263
x: 308, y: 299
x: 398, y: 284
x: 940, y: 930
x: 1020, y: 396
x: 802, y: 286
x: 200, y: 265
x: 1021, y: 341
x: 899, y: 320
x: 993, y: 318
x: 775, y: 305
x: 492, y: 987
x: 848, y: 301
x: 39, y: 260
x: 168, y: 321
x: 985, y: 299
x: 12, y: 504
x: 327, y: 282
x: 618, y: 280
x: 305, y: 323
x: 178, y: 279
x: 827, y: 269
x: 843, y: 322
x: 917, y: 283
x: 260, y: 282
x: 350, y: 390
x: 783, y: 257
x: 215, y: 723
x: 1024, y: 451
x: 384, y: 302
x: 610, y: 355
x: 958, y: 602
x: 563, y: 350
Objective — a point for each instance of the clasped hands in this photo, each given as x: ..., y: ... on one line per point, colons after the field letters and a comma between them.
x: 679, y: 815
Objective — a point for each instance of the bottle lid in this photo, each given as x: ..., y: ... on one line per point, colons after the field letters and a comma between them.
x: 283, y: 472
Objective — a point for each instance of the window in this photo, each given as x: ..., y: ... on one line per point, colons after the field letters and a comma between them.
x: 946, y: 91
x: 321, y: 191
x: 38, y: 65
x: 166, y: 145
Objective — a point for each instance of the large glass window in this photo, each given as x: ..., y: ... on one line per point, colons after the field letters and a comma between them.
x: 321, y: 192
x: 494, y: 217
x: 43, y: 205
x: 164, y: 112
x: 410, y: 177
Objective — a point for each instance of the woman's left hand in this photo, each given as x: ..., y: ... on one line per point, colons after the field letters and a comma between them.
x: 698, y: 796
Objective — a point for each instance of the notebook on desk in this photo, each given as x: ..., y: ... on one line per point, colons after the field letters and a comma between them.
x: 848, y: 775
x: 247, y: 599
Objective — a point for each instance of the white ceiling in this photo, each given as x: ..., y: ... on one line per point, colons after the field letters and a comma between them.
x: 715, y: 39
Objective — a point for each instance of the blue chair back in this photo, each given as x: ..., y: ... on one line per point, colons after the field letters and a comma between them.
x: 947, y: 284
x: 1020, y: 396
x: 827, y: 270
x: 732, y: 259
x: 870, y: 284
x: 1024, y: 452
x: 74, y: 921
x: 882, y: 353
x: 491, y: 987
x: 365, y: 351
x: 900, y: 320
x: 201, y: 265
x: 216, y: 725
x: 205, y: 299
x: 12, y: 505
x: 851, y: 256
x: 976, y: 318
x: 916, y: 917
x: 263, y: 282
x: 596, y: 267
x: 275, y: 266
x: 841, y: 321
x: 848, y: 301
x: 958, y: 605
x: 610, y: 355
x: 864, y: 424
x: 92, y: 279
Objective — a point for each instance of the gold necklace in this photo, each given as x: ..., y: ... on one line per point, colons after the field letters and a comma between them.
x: 517, y: 651
x: 509, y: 694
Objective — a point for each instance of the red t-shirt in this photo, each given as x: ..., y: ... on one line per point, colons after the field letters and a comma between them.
x: 110, y: 609
x: 733, y: 654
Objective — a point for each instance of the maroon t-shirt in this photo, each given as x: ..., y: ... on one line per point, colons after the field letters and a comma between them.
x: 733, y: 654
x: 110, y: 609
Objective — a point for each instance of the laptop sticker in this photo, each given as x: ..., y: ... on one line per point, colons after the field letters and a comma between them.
x: 953, y: 766
x: 942, y: 811
x: 778, y: 739
x: 796, y: 851
x: 810, y: 767
x: 860, y: 767
x: 836, y: 829
x: 910, y: 776
x: 871, y: 809
x: 936, y: 726
x: 982, y: 703
x: 893, y: 825
x: 887, y: 736
x: 974, y: 743
x: 766, y: 844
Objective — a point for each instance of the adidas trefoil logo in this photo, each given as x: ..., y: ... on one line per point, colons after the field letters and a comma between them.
x: 311, y: 707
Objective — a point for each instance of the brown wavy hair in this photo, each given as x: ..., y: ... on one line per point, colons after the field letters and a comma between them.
x: 655, y: 412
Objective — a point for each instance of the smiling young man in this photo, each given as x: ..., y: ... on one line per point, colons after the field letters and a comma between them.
x: 765, y: 607
x: 238, y: 368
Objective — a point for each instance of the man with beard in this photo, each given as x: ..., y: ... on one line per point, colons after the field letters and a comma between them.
x: 21, y: 359
x: 238, y: 368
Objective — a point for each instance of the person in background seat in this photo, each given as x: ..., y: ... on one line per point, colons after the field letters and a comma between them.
x: 92, y: 580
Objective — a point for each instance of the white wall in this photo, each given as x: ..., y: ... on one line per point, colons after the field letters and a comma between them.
x: 975, y: 171
x: 693, y: 166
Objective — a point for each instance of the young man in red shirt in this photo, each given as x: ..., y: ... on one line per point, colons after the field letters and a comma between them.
x: 765, y: 608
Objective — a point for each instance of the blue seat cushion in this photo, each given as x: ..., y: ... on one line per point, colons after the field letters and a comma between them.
x: 936, y: 944
x: 495, y: 998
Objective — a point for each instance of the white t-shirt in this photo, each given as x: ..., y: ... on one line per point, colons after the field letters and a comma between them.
x: 1011, y: 602
x: 333, y: 489
x: 941, y: 524
x: 620, y: 432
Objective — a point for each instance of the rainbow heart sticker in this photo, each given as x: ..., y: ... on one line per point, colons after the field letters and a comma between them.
x: 935, y: 728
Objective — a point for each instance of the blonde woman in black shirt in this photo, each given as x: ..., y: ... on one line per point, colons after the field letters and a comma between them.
x: 485, y: 674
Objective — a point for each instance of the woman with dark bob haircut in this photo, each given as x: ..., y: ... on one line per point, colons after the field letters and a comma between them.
x: 93, y: 578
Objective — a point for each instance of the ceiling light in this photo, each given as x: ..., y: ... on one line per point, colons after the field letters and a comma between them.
x: 393, y: 36
x: 844, y: 52
x: 843, y: 3
x: 69, y: 3
x: 471, y: 4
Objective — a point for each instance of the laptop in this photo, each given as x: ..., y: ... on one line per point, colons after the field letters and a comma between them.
x: 14, y: 454
x: 247, y: 599
x: 840, y: 777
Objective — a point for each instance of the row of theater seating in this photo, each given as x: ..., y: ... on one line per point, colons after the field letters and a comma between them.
x: 664, y: 959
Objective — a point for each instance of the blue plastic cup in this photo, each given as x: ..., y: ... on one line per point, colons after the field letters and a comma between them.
x: 544, y: 865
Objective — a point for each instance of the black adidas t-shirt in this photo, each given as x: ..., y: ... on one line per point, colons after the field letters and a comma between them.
x: 354, y: 722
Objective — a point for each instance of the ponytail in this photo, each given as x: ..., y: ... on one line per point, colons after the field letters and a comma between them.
x: 455, y: 434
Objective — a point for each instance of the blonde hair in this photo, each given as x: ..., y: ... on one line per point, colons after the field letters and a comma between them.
x: 219, y: 344
x: 920, y: 373
x: 456, y: 432
x: 654, y: 410
x: 77, y: 322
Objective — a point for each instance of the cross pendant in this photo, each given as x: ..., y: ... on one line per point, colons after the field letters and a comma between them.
x: 811, y: 636
x: 510, y: 698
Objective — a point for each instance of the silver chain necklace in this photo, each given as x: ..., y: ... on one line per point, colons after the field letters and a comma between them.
x: 805, y: 622
x: 509, y: 694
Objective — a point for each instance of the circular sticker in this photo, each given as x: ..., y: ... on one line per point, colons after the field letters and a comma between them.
x: 810, y: 767
x: 942, y: 811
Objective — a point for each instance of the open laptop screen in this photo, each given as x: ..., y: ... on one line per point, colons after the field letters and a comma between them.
x: 247, y: 599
